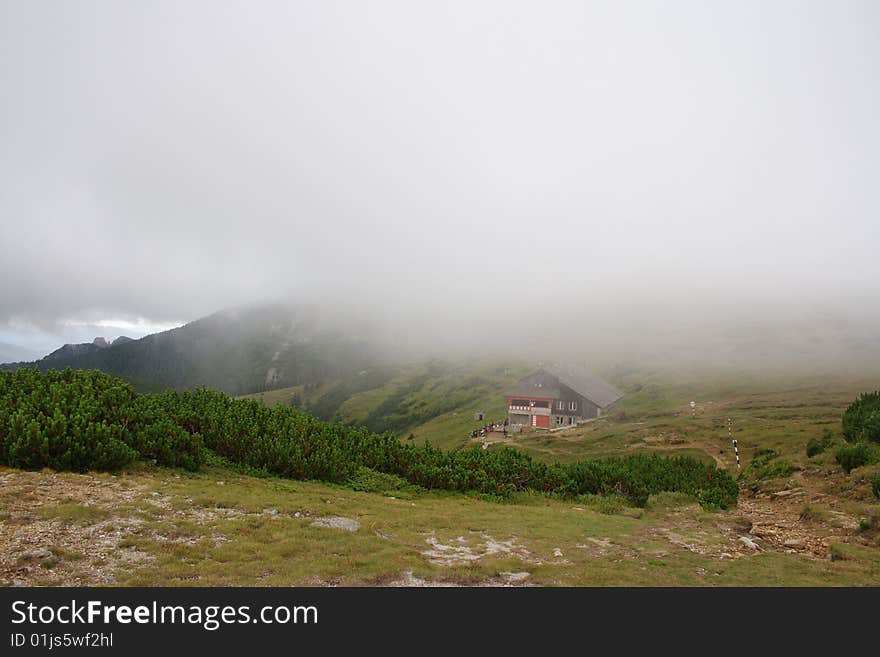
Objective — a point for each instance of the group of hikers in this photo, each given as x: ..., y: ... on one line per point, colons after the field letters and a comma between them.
x: 486, y: 429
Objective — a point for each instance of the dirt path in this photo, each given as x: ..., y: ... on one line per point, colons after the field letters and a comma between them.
x: 656, y: 444
x: 710, y: 450
x: 783, y: 521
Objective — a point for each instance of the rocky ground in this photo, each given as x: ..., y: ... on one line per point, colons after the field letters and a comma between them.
x: 75, y: 530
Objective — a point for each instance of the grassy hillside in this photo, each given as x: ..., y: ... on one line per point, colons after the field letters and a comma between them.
x: 801, y: 520
x: 160, y: 527
x: 779, y: 413
x: 434, y: 401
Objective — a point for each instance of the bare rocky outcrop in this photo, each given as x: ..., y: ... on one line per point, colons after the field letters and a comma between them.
x: 337, y: 522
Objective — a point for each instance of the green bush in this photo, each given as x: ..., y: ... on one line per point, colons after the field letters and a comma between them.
x: 851, y: 457
x: 86, y: 420
x: 66, y: 420
x: 766, y: 465
x: 875, y: 485
x: 776, y: 469
x: 370, y: 481
x: 763, y: 456
x: 638, y: 476
x: 813, y: 514
x: 861, y: 420
x: 89, y: 420
x: 814, y: 447
x: 871, y: 523
x: 818, y: 445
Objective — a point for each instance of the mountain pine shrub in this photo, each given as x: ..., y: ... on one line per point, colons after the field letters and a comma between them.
x: 861, y: 420
x: 87, y: 420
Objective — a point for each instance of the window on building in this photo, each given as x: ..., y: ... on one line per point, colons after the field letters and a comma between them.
x: 560, y: 420
x: 560, y: 405
x: 572, y: 406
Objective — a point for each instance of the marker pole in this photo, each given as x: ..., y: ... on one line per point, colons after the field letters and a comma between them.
x: 735, y: 446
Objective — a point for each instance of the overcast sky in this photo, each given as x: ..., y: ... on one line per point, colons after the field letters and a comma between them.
x: 163, y: 160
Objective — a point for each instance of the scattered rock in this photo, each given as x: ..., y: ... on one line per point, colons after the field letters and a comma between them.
x: 557, y: 552
x: 516, y: 577
x: 407, y: 579
x: 793, y: 492
x: 337, y: 522
x: 40, y: 553
x: 460, y: 554
x: 749, y: 543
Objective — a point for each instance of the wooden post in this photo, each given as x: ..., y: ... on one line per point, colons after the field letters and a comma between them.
x: 735, y: 446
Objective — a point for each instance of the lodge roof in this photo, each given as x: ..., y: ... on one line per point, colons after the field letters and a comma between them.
x: 546, y: 380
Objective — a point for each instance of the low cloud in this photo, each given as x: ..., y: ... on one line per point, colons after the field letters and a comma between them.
x: 466, y: 169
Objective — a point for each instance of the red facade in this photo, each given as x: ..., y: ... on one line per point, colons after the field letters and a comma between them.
x: 537, y: 409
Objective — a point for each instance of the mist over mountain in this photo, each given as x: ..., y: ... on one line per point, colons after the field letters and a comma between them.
x: 662, y: 184
x: 470, y: 173
x: 270, y: 346
x: 237, y: 351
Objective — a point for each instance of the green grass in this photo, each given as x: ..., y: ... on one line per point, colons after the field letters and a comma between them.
x: 74, y: 513
x: 255, y: 530
x: 782, y: 415
x: 435, y: 401
x: 777, y: 412
x: 601, y: 541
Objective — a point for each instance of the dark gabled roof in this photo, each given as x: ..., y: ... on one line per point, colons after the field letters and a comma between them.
x: 584, y: 382
x: 536, y: 384
x: 544, y: 382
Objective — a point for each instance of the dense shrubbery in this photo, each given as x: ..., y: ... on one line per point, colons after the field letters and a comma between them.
x: 815, y: 447
x: 637, y: 476
x: 766, y: 464
x: 861, y: 420
x: 89, y: 420
x: 861, y: 426
x: 851, y: 457
x: 818, y: 445
x: 85, y: 420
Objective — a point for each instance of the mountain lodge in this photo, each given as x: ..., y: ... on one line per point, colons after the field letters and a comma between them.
x: 556, y: 396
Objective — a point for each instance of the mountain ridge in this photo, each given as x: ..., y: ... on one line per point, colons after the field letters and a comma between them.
x: 237, y: 351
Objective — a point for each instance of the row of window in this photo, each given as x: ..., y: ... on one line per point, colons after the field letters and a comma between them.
x: 560, y: 405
